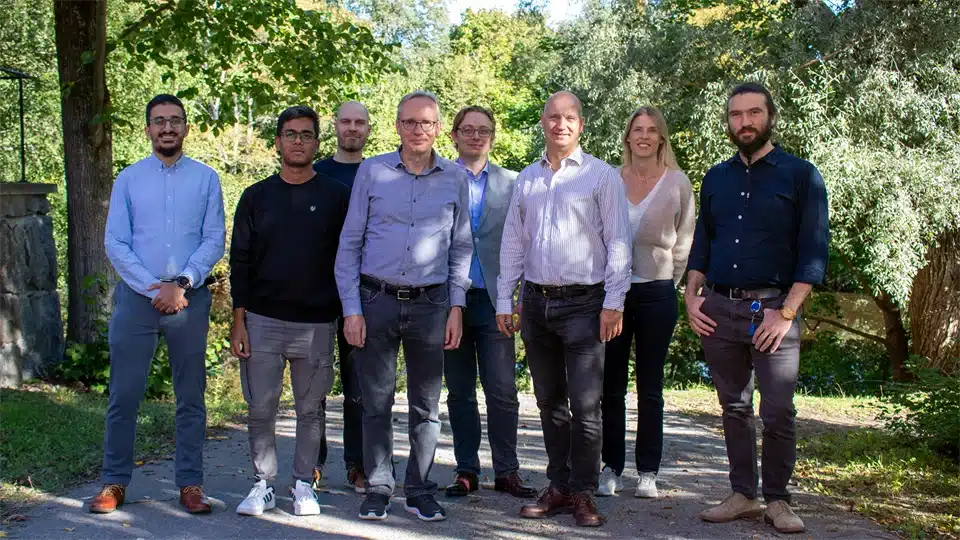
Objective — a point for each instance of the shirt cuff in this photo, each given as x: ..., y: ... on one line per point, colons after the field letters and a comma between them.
x: 457, y: 296
x: 192, y: 275
x: 351, y: 306
x: 613, y: 301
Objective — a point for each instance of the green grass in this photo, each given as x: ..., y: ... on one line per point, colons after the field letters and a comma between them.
x: 52, y: 439
x: 903, y: 486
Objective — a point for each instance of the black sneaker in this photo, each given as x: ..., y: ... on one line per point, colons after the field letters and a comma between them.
x: 426, y: 508
x: 375, y: 506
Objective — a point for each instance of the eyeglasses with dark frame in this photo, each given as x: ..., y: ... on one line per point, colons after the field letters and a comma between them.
x: 305, y: 136
x: 484, y: 133
x: 176, y: 122
x: 426, y: 125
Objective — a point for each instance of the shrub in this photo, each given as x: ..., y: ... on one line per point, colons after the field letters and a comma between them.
x: 926, y: 410
x: 831, y: 364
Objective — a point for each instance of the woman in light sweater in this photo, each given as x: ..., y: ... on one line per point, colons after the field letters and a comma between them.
x: 663, y: 216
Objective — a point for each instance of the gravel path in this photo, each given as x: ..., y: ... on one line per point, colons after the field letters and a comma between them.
x: 694, y: 475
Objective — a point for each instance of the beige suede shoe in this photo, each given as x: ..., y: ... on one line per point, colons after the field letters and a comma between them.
x: 781, y: 516
x: 734, y: 507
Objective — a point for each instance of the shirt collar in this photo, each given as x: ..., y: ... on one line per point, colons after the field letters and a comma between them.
x: 773, y: 157
x: 577, y: 156
x: 435, y: 162
x: 484, y: 170
x: 160, y: 165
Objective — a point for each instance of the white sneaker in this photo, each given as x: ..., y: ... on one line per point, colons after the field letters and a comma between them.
x: 305, y: 501
x: 260, y: 498
x: 610, y: 483
x: 647, y: 486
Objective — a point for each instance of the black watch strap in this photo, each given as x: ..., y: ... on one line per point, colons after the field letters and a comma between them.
x: 183, y: 282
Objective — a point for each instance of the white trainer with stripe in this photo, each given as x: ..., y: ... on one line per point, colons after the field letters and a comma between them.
x: 260, y: 499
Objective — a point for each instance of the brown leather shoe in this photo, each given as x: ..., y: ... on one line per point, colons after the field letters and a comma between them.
x: 585, y: 510
x: 109, y: 498
x: 193, y: 499
x: 552, y: 501
x: 464, y: 483
x: 513, y: 485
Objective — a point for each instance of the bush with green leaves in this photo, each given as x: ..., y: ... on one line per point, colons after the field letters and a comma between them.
x: 926, y: 410
x: 831, y: 364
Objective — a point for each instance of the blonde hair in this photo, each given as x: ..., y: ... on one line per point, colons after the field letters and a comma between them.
x: 664, y: 152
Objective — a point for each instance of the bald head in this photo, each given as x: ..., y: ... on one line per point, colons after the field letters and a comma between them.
x: 562, y: 123
x: 353, y: 109
x: 352, y: 126
x: 565, y: 99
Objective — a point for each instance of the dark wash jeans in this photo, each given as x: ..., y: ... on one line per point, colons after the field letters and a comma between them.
x: 565, y: 355
x: 733, y: 360
x: 352, y: 407
x: 483, y: 347
x: 419, y: 324
x: 649, y: 317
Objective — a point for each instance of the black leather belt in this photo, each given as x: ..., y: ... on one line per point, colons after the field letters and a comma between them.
x: 402, y: 292
x: 562, y: 291
x: 734, y: 293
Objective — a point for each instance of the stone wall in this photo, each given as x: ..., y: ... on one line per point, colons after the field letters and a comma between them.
x: 31, y: 329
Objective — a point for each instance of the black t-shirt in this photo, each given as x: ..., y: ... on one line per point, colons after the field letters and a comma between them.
x: 344, y: 172
x: 285, y: 239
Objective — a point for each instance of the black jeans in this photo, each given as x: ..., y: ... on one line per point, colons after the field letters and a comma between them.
x: 352, y: 407
x: 483, y: 348
x: 733, y: 361
x: 565, y: 355
x: 649, y: 317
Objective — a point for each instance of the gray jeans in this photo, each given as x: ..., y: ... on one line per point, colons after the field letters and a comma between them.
x: 733, y: 360
x: 419, y: 324
x: 309, y: 349
x: 135, y: 330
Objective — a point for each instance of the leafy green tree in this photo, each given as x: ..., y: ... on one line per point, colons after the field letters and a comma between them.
x: 263, y: 52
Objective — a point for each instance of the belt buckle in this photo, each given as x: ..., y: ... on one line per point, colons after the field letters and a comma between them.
x: 735, y: 294
x: 403, y: 294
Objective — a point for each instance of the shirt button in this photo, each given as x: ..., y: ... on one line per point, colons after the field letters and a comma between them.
x: 168, y: 245
x: 403, y: 273
x: 742, y: 194
x: 737, y: 241
x: 739, y: 217
x: 476, y: 239
x: 734, y: 266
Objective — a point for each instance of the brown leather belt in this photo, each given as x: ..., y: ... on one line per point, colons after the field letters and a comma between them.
x: 734, y: 293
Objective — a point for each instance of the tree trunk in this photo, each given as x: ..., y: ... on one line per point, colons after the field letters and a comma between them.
x: 895, y: 337
x: 88, y: 160
x: 935, y: 305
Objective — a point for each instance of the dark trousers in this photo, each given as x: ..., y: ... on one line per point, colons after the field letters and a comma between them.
x: 135, y: 330
x: 419, y: 324
x: 352, y: 407
x: 483, y: 347
x: 733, y: 360
x: 649, y: 317
x: 565, y: 355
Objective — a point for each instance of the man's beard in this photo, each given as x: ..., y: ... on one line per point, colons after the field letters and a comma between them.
x: 343, y: 144
x: 760, y: 138
x: 169, y: 151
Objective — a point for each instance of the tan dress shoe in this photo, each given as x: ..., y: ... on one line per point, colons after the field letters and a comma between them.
x: 553, y: 501
x: 193, y: 499
x: 781, y: 516
x: 736, y: 506
x: 109, y: 498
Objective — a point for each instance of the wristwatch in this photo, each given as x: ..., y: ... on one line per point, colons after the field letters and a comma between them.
x: 788, y: 313
x: 183, y: 282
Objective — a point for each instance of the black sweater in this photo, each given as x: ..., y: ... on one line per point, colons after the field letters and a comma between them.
x: 284, y: 245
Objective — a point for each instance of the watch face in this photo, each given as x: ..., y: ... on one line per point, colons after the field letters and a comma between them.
x: 183, y: 282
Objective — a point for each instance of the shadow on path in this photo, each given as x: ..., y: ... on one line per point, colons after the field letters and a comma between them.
x: 693, y: 475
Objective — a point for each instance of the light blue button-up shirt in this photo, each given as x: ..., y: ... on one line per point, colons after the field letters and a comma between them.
x: 478, y: 185
x: 165, y: 222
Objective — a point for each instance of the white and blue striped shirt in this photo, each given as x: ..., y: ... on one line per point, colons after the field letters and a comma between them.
x: 568, y: 227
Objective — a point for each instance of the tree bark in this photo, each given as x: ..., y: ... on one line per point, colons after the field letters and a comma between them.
x: 895, y: 339
x: 88, y: 160
x: 935, y: 305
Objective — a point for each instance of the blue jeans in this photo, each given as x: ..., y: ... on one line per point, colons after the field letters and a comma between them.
x: 419, y: 324
x: 485, y: 347
x: 649, y: 316
x: 352, y: 407
x: 135, y: 329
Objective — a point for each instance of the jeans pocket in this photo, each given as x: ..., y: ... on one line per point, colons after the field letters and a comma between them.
x: 368, y: 295
x: 437, y: 296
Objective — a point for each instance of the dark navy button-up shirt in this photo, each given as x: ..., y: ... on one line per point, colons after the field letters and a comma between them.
x: 762, y: 226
